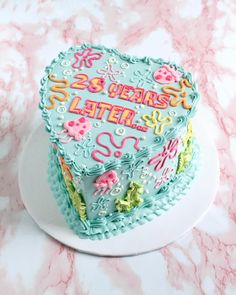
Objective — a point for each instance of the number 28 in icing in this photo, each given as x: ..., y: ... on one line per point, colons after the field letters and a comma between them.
x: 95, y: 85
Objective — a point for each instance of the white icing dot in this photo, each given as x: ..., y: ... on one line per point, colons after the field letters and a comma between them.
x: 112, y: 60
x: 59, y: 124
x: 124, y: 65
x: 65, y: 63
x: 120, y: 131
x: 172, y: 113
x: 97, y: 124
x: 61, y: 109
x: 142, y: 106
x: 102, y: 213
x: 103, y: 121
x: 154, y: 86
x: 67, y: 72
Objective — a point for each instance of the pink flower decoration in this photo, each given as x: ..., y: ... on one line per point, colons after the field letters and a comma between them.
x: 85, y: 58
x: 169, y: 151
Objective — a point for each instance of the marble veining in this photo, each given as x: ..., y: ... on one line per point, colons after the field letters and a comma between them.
x: 200, y: 35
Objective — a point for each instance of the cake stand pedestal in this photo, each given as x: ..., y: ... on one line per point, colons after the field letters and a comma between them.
x: 162, y: 230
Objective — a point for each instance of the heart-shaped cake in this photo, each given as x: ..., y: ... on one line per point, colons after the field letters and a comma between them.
x: 123, y: 149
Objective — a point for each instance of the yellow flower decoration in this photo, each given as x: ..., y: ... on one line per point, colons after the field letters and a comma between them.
x: 155, y: 121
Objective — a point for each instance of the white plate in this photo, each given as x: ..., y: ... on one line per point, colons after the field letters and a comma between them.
x: 162, y: 230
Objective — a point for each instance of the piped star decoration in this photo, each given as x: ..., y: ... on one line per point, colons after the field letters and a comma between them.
x: 84, y: 147
x: 133, y: 167
x: 85, y: 58
x: 109, y: 72
x: 166, y: 174
x: 156, y: 122
x: 142, y: 78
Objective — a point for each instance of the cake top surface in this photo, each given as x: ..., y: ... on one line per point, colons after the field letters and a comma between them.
x: 104, y: 109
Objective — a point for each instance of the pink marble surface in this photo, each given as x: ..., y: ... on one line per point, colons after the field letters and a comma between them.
x: 201, y: 35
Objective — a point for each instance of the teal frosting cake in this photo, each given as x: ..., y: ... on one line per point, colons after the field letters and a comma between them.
x: 122, y: 145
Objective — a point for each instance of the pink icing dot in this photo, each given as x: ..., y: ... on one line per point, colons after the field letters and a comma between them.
x: 71, y: 123
x: 84, y: 126
x: 110, y: 175
x: 168, y: 78
x: 81, y: 132
x: 82, y: 120
x: 118, y: 154
x: 158, y: 77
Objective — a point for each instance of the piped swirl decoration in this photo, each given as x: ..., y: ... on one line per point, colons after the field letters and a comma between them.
x: 108, y: 152
x: 119, y: 221
x: 176, y: 100
x: 59, y: 89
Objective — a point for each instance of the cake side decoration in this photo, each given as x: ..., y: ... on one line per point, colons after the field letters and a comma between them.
x: 105, y: 182
x: 169, y: 151
x: 132, y: 198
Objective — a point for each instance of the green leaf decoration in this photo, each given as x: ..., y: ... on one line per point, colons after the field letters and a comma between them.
x: 132, y: 198
x: 185, y: 157
x: 76, y: 199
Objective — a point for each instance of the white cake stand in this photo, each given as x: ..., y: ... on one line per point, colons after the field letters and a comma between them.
x: 40, y: 203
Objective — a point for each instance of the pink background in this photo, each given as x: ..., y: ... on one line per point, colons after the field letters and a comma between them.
x: 201, y: 35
